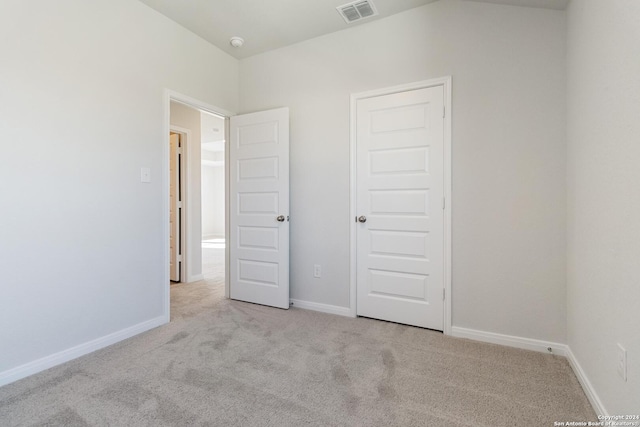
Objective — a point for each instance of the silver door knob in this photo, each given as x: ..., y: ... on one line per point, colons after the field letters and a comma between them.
x: 362, y: 218
x: 280, y: 218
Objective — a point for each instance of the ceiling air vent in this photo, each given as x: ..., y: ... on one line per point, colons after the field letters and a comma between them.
x: 357, y: 10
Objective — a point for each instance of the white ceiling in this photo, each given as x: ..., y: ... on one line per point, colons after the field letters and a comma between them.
x: 266, y: 24
x: 544, y: 4
x: 271, y: 24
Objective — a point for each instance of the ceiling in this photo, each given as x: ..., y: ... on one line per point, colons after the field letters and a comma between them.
x: 544, y: 4
x: 270, y: 24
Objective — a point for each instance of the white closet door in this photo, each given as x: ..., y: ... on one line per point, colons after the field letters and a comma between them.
x: 400, y: 189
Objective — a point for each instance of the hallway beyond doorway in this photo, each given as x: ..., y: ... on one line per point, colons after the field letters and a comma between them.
x: 213, y: 259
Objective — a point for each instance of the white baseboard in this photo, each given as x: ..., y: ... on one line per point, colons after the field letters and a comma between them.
x: 586, y: 384
x: 540, y: 346
x: 59, y: 358
x: 325, y: 308
x: 212, y: 236
x: 195, y: 278
x: 511, y: 341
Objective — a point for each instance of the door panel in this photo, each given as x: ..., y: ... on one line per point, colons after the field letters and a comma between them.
x: 174, y: 209
x: 259, y: 188
x: 400, y: 186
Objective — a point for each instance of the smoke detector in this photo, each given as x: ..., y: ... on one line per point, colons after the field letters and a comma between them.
x: 236, y: 41
x: 357, y: 10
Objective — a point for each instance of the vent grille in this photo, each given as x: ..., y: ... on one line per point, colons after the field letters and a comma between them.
x: 357, y: 10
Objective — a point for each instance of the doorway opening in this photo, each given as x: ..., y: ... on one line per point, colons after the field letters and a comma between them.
x: 212, y: 179
x: 196, y: 207
x: 255, y: 152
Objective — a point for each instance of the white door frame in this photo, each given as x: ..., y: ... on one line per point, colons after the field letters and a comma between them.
x: 168, y: 96
x: 445, y: 82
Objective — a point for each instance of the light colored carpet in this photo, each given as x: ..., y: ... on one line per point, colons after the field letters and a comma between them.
x: 226, y: 363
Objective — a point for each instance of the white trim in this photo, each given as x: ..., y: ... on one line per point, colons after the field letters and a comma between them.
x: 445, y: 82
x: 197, y: 104
x: 227, y: 208
x: 63, y: 356
x: 212, y: 163
x: 542, y: 347
x: 166, y: 183
x: 448, y: 223
x: 195, y: 278
x: 324, y: 308
x: 589, y: 390
x: 170, y: 95
x: 511, y: 341
x: 212, y: 236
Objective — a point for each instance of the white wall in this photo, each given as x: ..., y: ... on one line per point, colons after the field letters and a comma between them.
x: 213, y: 174
x: 603, y: 195
x: 508, y: 74
x: 213, y: 200
x: 81, y: 106
x: 189, y: 118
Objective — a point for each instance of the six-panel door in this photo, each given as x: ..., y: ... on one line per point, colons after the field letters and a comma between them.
x: 400, y: 188
x: 259, y: 208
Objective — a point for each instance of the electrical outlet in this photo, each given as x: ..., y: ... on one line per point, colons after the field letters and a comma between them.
x: 316, y: 270
x: 621, y: 362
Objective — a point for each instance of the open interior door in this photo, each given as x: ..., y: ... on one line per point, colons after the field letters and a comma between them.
x: 259, y: 208
x: 174, y: 208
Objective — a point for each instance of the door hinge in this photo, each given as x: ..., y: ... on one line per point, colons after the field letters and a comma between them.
x: 443, y: 294
x: 444, y: 203
x: 179, y: 205
x: 444, y: 111
x: 179, y: 258
x: 179, y: 150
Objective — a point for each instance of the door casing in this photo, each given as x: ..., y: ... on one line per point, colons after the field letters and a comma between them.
x: 445, y: 82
